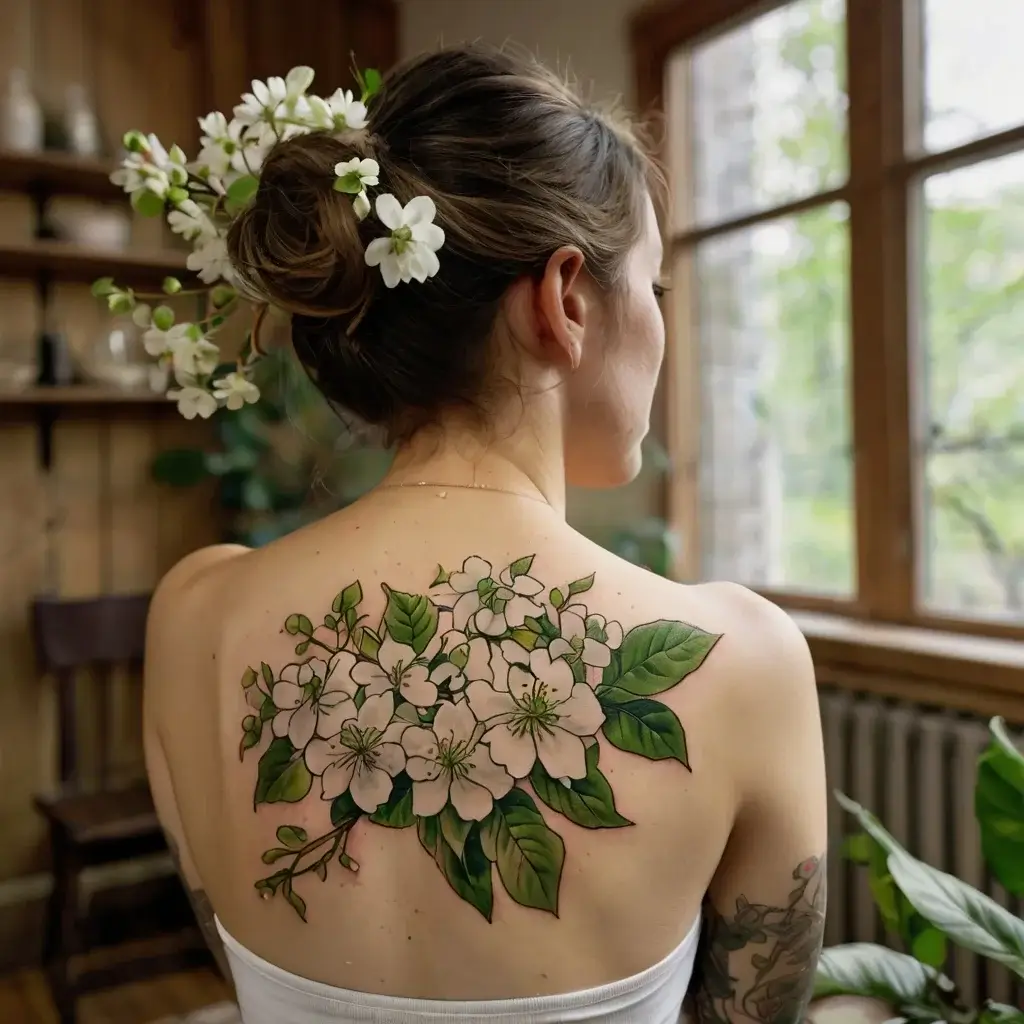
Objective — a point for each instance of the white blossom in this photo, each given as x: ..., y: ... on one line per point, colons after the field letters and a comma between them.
x: 191, y: 222
x: 543, y: 714
x: 193, y: 356
x: 408, y: 252
x: 341, y: 111
x: 310, y: 698
x: 364, y: 756
x: 399, y: 668
x: 447, y: 760
x: 159, y: 343
x: 193, y: 401
x: 210, y: 260
x: 234, y: 390
x: 576, y: 642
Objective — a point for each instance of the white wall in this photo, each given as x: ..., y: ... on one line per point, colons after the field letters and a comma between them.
x: 591, y: 39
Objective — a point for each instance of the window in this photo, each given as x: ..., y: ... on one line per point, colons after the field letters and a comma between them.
x: 845, y: 383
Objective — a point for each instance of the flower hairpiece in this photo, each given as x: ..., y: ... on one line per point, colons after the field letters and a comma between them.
x: 200, y: 199
x: 408, y: 252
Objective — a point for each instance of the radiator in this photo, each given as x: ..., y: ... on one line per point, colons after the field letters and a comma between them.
x: 915, y: 768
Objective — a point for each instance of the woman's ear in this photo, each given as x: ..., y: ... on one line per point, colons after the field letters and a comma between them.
x: 561, y: 306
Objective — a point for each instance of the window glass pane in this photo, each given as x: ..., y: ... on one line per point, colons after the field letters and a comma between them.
x: 768, y: 108
x: 972, y: 554
x: 775, y: 472
x: 974, y: 78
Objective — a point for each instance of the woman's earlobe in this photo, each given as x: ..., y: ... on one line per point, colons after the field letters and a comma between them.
x: 562, y: 305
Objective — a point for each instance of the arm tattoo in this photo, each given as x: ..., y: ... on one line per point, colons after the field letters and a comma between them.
x: 203, y: 910
x: 781, y: 947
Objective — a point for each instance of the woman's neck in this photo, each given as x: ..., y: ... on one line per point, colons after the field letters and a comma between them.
x: 524, y: 461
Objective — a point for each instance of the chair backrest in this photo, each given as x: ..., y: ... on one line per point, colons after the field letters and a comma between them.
x: 99, y: 635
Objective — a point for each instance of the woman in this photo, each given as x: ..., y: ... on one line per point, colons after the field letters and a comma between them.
x: 488, y: 769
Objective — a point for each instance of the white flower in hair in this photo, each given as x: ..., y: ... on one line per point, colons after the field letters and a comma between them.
x: 354, y: 177
x: 339, y: 112
x: 234, y: 391
x: 276, y: 97
x: 191, y: 222
x: 408, y: 252
x: 210, y: 261
x: 193, y: 401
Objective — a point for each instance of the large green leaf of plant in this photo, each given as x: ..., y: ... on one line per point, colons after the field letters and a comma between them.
x: 999, y: 807
x: 967, y: 917
x: 914, y: 990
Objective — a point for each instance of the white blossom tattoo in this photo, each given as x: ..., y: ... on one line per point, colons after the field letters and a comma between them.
x: 455, y: 714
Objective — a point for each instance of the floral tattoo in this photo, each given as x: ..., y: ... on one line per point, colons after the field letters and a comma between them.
x: 455, y: 714
x: 781, y: 946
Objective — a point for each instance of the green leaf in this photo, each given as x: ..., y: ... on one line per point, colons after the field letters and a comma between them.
x: 644, y: 727
x: 270, y: 856
x: 410, y: 620
x: 526, y: 638
x: 351, y: 596
x: 367, y: 642
x: 248, y: 677
x: 241, y: 190
x: 528, y: 854
x: 397, y: 812
x: 521, y: 566
x: 343, y: 809
x: 858, y: 848
x: 581, y: 586
x: 267, y: 709
x: 929, y: 946
x: 297, y: 902
x: 1000, y: 1013
x: 556, y: 598
x: 372, y: 81
x: 588, y: 802
x: 147, y: 203
x: 163, y: 318
x: 170, y: 286
x: 282, y: 778
x: 102, y: 287
x: 179, y: 467
x: 331, y: 621
x: 454, y: 829
x: 862, y: 969
x: 968, y: 917
x: 292, y: 835
x: 440, y: 576
x: 268, y: 674
x: 657, y: 656
x: 470, y: 875
x: 296, y: 624
x: 999, y: 807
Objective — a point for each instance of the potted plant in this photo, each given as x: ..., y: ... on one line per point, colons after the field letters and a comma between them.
x: 925, y: 909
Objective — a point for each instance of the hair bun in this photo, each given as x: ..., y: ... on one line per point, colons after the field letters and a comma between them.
x: 298, y: 245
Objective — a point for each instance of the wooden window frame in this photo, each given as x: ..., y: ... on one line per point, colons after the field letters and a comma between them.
x: 883, y: 38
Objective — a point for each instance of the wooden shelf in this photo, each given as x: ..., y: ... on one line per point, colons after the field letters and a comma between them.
x: 68, y: 262
x: 80, y: 395
x: 57, y: 173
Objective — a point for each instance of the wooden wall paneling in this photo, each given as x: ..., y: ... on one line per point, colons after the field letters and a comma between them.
x: 27, y: 751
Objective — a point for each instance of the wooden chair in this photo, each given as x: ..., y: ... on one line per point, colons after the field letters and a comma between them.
x: 95, y: 820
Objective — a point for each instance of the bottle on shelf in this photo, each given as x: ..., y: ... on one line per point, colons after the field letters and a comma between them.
x: 80, y: 123
x: 54, y: 361
x: 21, y: 117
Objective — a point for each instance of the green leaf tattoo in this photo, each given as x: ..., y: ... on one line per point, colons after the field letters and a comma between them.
x: 452, y: 713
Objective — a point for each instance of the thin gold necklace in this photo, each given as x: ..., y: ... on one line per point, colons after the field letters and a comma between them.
x: 443, y: 489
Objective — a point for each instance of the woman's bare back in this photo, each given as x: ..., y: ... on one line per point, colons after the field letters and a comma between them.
x: 440, y: 745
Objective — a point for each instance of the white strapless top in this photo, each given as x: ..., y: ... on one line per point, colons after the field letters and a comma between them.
x: 269, y: 995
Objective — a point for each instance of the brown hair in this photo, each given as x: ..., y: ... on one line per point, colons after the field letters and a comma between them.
x: 517, y: 166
